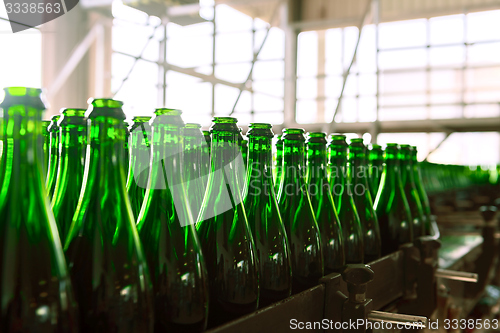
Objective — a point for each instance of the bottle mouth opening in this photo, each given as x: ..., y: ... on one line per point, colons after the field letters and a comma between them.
x: 206, y: 133
x: 261, y: 125
x: 375, y: 146
x: 292, y: 131
x: 141, y: 119
x: 22, y: 91
x: 392, y: 145
x: 73, y: 112
x: 105, y: 103
x: 317, y: 134
x: 225, y: 120
x: 357, y: 140
x: 405, y: 147
x: 170, y: 112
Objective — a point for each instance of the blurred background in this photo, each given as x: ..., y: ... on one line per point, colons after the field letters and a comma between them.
x: 422, y: 72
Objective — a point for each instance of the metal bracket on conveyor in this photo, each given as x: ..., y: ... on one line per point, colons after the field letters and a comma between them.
x: 358, y: 308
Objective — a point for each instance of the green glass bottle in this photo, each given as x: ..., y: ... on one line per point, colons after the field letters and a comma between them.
x: 422, y: 195
x: 376, y: 167
x: 105, y: 257
x: 224, y: 232
x: 166, y: 229
x: 54, y: 156
x: 194, y: 143
x: 263, y: 215
x: 73, y: 138
x: 342, y: 188
x: 138, y: 171
x: 4, y: 148
x: 363, y: 200
x: 279, y: 164
x: 46, y: 146
x: 411, y: 193
x: 35, y: 287
x: 298, y: 214
x: 322, y: 202
x: 391, y: 206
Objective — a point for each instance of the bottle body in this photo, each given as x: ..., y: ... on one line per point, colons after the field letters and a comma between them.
x: 166, y: 229
x: 36, y: 289
x: 103, y: 250
x: 342, y: 188
x: 422, y: 195
x: 73, y: 137
x: 224, y: 234
x: 298, y: 215
x: 264, y: 218
x: 363, y: 200
x: 391, y: 205
x: 411, y: 193
x: 323, y: 205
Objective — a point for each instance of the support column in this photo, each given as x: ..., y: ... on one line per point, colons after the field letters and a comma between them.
x: 60, y: 40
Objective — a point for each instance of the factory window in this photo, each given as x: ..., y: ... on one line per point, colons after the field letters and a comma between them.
x: 209, y: 72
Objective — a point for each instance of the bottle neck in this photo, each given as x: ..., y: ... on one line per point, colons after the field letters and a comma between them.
x: 139, y: 147
x: 316, y: 162
x: 73, y: 140
x: 166, y: 156
x: 357, y: 166
x: 293, y: 161
x: 23, y: 130
x: 260, y: 158
x: 224, y: 150
x: 106, y: 142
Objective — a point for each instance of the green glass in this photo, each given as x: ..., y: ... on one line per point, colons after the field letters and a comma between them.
x: 54, y: 156
x: 73, y: 138
x: 322, y: 202
x: 264, y: 218
x: 243, y: 145
x: 376, y: 168
x: 205, y: 158
x: 4, y: 148
x: 342, y: 188
x: 391, y: 206
x: 298, y: 214
x: 125, y: 152
x: 46, y: 146
x: 194, y: 143
x: 35, y: 287
x: 105, y: 257
x: 166, y: 229
x: 138, y: 171
x: 411, y: 193
x: 279, y: 163
x: 224, y: 232
x: 422, y: 195
x: 363, y: 200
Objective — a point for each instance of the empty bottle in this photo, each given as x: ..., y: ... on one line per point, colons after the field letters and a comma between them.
x: 298, y: 214
x: 411, y: 193
x: 167, y: 231
x: 322, y: 202
x: 363, y: 200
x: 73, y: 128
x: 422, y: 195
x: 346, y: 209
x: 376, y: 167
x: 138, y: 171
x: 271, y: 243
x: 391, y: 206
x: 35, y: 287
x: 224, y: 232
x: 105, y: 257
x: 54, y: 156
